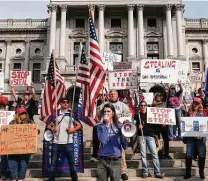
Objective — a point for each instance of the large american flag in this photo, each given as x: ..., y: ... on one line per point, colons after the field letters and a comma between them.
x: 97, y: 73
x: 54, y: 89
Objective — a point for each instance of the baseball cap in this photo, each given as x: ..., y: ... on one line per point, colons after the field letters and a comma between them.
x: 197, y: 99
x: 64, y: 99
x: 4, y: 101
x: 21, y: 110
x: 26, y: 92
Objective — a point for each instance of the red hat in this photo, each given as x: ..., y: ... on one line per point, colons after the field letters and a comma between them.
x: 197, y: 99
x: 4, y: 100
x: 26, y: 92
x: 21, y: 110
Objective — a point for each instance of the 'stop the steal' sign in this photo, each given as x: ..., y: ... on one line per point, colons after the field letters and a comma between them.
x: 157, y: 115
x: 20, y: 78
x: 157, y: 71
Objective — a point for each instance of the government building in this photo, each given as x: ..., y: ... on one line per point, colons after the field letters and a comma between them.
x: 135, y: 29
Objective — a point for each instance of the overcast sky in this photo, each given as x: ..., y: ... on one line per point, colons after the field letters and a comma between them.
x: 38, y: 9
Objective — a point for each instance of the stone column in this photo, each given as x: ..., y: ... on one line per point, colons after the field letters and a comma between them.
x: 205, y: 53
x: 187, y: 50
x: 179, y: 9
x: 169, y: 30
x: 101, y: 28
x: 130, y: 8
x: 7, y: 64
x: 140, y: 23
x: 62, y: 31
x: 27, y: 55
x: 53, y: 9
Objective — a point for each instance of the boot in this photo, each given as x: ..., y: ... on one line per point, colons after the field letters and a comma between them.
x: 188, y: 168
x: 201, y: 167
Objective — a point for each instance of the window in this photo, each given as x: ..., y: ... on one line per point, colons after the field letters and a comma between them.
x: 36, y: 72
x: 151, y: 23
x: 152, y: 56
x: 115, y: 23
x: 0, y: 67
x: 196, y: 66
x: 80, y: 23
x: 117, y: 48
x: 17, y: 66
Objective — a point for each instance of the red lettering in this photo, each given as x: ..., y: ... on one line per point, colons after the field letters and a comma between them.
x: 146, y: 66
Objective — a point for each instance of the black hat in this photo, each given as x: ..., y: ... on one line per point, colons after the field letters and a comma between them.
x: 64, y: 99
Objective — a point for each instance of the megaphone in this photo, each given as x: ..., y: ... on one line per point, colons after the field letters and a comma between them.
x: 128, y: 130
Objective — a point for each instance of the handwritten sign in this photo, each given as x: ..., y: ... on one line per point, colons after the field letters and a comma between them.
x: 20, y: 78
x: 157, y: 115
x: 1, y: 81
x: 157, y: 71
x: 18, y: 139
x: 122, y: 80
x: 194, y: 126
x: 196, y: 76
x: 6, y: 117
x: 122, y: 65
x: 183, y: 70
x: 108, y: 59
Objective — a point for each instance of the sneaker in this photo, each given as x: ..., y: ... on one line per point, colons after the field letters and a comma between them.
x: 145, y: 175
x: 178, y: 138
x: 124, y: 176
x: 161, y: 176
x: 93, y: 159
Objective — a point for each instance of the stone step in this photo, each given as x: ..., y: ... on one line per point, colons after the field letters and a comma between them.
x: 131, y: 163
x: 169, y: 172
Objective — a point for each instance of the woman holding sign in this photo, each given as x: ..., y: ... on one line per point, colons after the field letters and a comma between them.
x: 193, y: 143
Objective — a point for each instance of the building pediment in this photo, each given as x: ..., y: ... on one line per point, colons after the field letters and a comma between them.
x: 196, y: 57
x: 115, y: 34
x: 78, y: 34
x: 18, y: 57
x: 153, y: 33
x: 37, y: 57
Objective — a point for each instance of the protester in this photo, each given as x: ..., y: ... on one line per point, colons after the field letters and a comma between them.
x: 27, y: 102
x: 192, y: 143
x: 4, y: 169
x: 126, y: 98
x: 63, y: 129
x: 173, y: 101
x: 163, y: 129
x: 18, y: 164
x: 146, y: 139
x: 109, y: 135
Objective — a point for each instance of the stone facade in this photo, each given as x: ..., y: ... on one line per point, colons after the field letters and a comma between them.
x: 148, y: 29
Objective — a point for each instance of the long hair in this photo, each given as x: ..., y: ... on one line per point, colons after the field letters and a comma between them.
x: 115, y: 117
x: 191, y: 109
x: 16, y: 117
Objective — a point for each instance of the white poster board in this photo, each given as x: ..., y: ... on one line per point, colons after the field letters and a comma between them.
x: 194, y: 126
x: 157, y: 115
x: 108, y: 59
x: 1, y: 81
x: 6, y: 117
x: 20, y: 78
x: 122, y: 80
x: 196, y: 76
x: 183, y: 70
x: 157, y: 71
x: 148, y: 97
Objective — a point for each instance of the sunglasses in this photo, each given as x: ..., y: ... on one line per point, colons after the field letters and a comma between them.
x: 63, y: 102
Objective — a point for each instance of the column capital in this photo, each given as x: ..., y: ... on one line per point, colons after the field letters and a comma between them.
x: 130, y: 7
x: 8, y: 41
x: 168, y: 7
x: 179, y: 7
x: 91, y: 6
x: 101, y: 7
x: 140, y: 7
x: 52, y: 7
x: 27, y: 41
x: 205, y: 41
x: 63, y: 7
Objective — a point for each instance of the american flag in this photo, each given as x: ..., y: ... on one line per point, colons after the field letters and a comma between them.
x: 97, y: 73
x: 54, y: 89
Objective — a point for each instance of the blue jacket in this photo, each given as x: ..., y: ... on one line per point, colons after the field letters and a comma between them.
x: 111, y: 141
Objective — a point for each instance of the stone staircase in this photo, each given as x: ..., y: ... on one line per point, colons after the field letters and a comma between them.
x: 174, y: 169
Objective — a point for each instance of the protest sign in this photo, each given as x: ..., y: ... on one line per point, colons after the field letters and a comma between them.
x: 6, y: 117
x: 20, y: 78
x: 157, y: 71
x: 1, y: 82
x: 194, y: 126
x: 148, y: 97
x: 157, y: 115
x: 108, y: 59
x: 122, y: 65
x: 122, y: 80
x: 183, y: 70
x: 18, y: 139
x: 196, y: 76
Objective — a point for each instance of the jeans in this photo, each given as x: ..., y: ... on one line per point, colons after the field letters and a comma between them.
x: 194, y: 144
x: 150, y: 143
x: 4, y: 163
x: 18, y: 165
x: 123, y: 162
x: 57, y: 149
x: 173, y: 128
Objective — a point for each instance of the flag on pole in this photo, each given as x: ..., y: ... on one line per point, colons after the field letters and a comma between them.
x: 54, y: 88
x: 97, y: 73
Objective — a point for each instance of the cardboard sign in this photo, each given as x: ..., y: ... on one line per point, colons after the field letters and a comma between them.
x: 147, y: 97
x: 122, y: 80
x: 20, y: 78
x: 157, y: 115
x: 157, y: 71
x: 6, y: 117
x: 196, y: 76
x: 1, y: 81
x: 18, y: 139
x: 183, y: 71
x: 194, y: 126
x: 122, y: 65
x: 108, y: 59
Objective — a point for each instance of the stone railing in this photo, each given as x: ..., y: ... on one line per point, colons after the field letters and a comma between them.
x: 197, y: 23
x: 23, y: 23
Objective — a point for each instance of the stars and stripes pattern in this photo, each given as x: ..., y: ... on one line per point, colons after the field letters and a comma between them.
x: 97, y: 73
x: 54, y: 89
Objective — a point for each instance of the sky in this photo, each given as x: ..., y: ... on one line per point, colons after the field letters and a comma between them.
x: 38, y: 9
